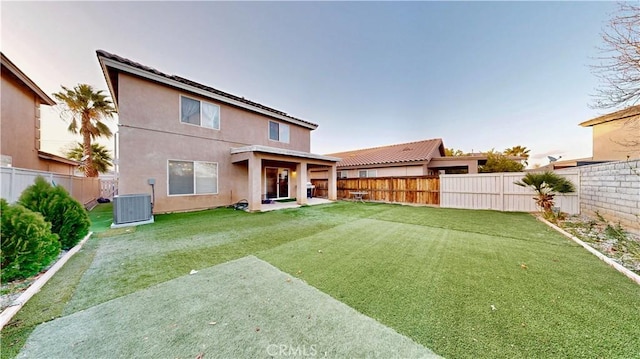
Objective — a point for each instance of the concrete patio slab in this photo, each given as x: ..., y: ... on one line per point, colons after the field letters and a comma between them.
x: 282, y: 205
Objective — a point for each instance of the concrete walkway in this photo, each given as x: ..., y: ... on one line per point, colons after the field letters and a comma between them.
x: 282, y: 205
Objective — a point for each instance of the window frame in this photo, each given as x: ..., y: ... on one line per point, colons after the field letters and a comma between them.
x: 201, y: 112
x: 343, y: 174
x: 368, y: 173
x: 195, y: 185
x: 279, y: 131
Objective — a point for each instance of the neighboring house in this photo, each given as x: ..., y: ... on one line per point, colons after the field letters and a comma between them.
x: 420, y: 158
x: 616, y: 136
x: 203, y: 148
x: 561, y: 164
x: 20, y: 124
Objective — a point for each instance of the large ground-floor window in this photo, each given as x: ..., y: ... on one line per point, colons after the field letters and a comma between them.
x: 192, y: 177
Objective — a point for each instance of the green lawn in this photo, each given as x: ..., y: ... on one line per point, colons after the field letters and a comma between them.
x: 220, y: 312
x: 101, y: 217
x: 465, y: 284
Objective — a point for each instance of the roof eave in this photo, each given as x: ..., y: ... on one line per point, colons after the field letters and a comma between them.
x: 6, y: 63
x: 283, y: 152
x: 618, y: 115
x: 52, y: 157
x: 105, y: 72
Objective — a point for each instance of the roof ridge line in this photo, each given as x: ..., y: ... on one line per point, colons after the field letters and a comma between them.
x: 393, y: 145
x: 186, y: 81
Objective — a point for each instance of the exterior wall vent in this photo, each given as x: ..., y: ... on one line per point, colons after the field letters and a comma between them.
x: 131, y: 209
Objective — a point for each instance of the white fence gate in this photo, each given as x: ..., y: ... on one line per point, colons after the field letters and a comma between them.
x: 497, y: 191
x: 108, y: 188
x: 15, y: 180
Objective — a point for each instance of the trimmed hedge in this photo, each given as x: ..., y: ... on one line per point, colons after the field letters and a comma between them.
x: 28, y: 245
x: 69, y: 220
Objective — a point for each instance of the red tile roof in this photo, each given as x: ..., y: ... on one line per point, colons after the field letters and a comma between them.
x: 400, y: 153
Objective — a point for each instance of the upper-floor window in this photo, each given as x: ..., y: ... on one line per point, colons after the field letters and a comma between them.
x: 367, y: 173
x: 199, y: 113
x: 278, y: 132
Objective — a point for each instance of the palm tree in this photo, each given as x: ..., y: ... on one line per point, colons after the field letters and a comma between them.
x: 86, y: 108
x: 519, y: 151
x: 100, y: 156
x: 546, y: 185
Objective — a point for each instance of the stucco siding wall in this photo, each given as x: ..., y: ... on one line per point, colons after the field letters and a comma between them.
x: 151, y: 134
x: 612, y: 190
x: 398, y: 171
x: 612, y: 140
x: 148, y: 105
x: 18, y: 132
x: 148, y: 155
x: 56, y: 167
x: 318, y: 174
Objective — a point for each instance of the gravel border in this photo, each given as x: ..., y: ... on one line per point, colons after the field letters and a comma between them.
x: 634, y: 277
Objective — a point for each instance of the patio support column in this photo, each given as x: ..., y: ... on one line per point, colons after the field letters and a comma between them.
x: 333, y: 183
x: 255, y: 187
x: 301, y: 183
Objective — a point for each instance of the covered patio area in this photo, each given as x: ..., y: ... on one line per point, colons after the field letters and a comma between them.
x: 279, y: 174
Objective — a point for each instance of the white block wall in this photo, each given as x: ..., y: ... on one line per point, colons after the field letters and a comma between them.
x: 613, y: 190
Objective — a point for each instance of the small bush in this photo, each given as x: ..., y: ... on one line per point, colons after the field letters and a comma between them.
x: 28, y: 245
x: 68, y: 218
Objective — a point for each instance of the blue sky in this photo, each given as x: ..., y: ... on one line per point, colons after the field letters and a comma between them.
x: 479, y: 75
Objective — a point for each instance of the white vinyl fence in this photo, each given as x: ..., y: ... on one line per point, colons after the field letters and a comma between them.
x: 497, y: 191
x: 15, y: 180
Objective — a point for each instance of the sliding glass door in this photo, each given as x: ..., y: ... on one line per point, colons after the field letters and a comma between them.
x: 277, y: 182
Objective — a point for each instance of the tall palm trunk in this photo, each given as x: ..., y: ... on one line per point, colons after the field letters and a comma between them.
x: 89, y: 168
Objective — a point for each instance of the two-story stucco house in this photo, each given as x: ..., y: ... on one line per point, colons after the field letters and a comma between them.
x: 197, y: 147
x: 20, y: 124
x: 616, y: 136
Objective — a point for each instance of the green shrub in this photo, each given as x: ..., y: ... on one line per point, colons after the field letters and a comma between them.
x: 69, y: 220
x: 28, y: 245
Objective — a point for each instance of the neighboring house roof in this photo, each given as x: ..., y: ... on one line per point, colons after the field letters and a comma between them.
x: 25, y: 80
x: 419, y: 151
x: 118, y: 63
x: 618, y: 115
x: 567, y: 164
x: 52, y: 157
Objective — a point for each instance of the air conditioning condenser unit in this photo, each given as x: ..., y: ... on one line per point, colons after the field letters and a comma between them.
x: 131, y: 210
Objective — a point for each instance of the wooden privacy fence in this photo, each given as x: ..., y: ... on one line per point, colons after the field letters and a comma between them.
x: 497, y: 191
x: 15, y: 180
x: 418, y: 190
